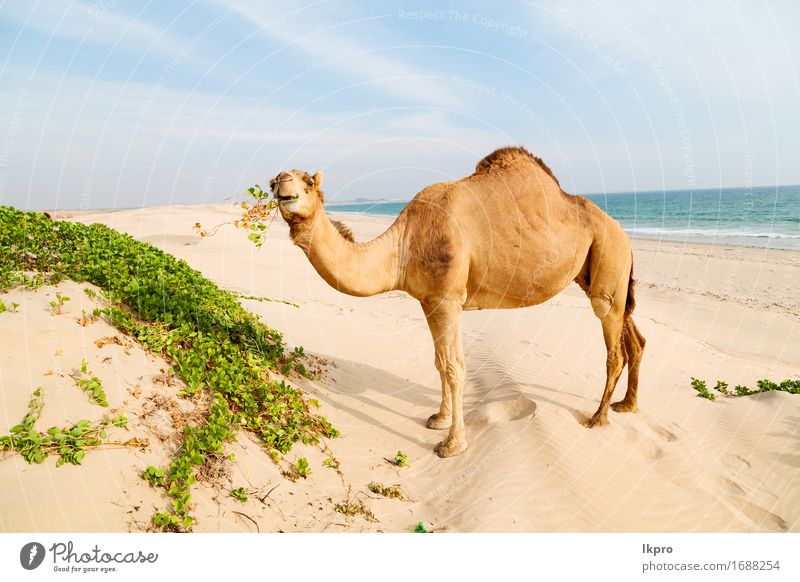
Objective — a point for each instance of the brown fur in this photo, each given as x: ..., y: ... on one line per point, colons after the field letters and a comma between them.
x: 301, y: 237
x: 430, y: 248
x: 438, y: 255
x: 344, y: 230
x: 507, y: 157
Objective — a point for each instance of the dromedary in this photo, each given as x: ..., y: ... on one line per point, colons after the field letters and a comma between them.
x: 505, y: 236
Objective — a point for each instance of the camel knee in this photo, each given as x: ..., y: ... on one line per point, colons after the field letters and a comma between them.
x: 634, y: 342
x: 455, y: 372
x: 451, y: 368
x: 601, y: 304
x: 615, y: 361
x: 440, y: 362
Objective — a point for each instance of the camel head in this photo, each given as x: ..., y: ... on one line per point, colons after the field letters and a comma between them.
x: 298, y: 194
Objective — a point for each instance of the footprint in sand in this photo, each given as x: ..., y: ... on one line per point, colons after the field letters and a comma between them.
x: 644, y: 445
x: 502, y: 411
x: 728, y: 486
x: 760, y: 517
x: 735, y: 462
x: 663, y: 432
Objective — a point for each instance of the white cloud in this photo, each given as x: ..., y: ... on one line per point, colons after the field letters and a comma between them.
x: 97, y: 22
x: 89, y: 145
x: 326, y: 44
x: 723, y: 49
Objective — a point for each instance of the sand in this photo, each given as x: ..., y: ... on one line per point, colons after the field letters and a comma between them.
x: 681, y: 463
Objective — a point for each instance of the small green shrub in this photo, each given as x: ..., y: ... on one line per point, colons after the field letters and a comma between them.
x: 355, y: 508
x: 302, y: 468
x: 401, y: 459
x: 56, y: 305
x: 392, y: 491
x: 240, y: 493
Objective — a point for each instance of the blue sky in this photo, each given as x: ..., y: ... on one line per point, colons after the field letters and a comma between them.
x: 119, y: 104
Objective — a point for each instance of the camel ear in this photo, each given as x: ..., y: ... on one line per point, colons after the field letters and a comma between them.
x: 317, y: 180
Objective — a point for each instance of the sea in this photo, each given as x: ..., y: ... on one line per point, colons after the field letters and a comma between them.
x: 763, y: 217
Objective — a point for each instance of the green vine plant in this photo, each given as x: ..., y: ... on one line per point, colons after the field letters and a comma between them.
x: 209, y: 339
x: 764, y: 385
x: 70, y: 443
x: 91, y: 385
x: 331, y: 462
x: 154, y: 476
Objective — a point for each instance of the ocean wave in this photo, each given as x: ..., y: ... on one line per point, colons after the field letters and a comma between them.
x: 709, y: 232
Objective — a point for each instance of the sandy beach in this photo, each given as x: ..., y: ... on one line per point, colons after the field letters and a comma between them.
x: 682, y: 463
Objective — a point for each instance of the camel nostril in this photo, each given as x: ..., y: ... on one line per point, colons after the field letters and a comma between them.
x: 284, y: 177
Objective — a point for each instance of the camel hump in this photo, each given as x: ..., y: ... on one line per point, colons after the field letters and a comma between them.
x: 509, y: 157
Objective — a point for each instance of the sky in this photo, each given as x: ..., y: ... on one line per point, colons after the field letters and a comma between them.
x: 112, y: 104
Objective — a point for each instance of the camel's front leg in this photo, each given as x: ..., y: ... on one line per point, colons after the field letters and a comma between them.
x: 444, y: 320
x: 442, y: 419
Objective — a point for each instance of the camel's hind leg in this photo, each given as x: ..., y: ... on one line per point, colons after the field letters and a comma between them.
x: 612, y: 333
x: 633, y: 343
x: 607, y: 280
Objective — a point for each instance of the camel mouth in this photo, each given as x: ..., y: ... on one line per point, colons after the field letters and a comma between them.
x: 280, y: 198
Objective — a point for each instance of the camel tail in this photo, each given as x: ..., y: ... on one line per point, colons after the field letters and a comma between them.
x: 630, y: 301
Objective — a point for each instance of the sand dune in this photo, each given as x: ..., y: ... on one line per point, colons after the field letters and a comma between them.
x: 681, y: 464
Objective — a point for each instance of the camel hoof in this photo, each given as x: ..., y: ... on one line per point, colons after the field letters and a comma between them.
x: 623, y: 406
x: 596, y: 420
x: 450, y: 448
x: 438, y: 422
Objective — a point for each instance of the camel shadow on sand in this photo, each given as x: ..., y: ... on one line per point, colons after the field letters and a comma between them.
x: 359, y: 389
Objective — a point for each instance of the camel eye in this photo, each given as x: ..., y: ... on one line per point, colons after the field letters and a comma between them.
x: 309, y: 183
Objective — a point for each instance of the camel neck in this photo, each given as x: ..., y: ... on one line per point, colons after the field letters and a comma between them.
x: 360, y: 269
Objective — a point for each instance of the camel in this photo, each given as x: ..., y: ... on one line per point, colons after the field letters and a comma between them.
x: 506, y: 236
